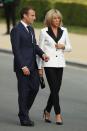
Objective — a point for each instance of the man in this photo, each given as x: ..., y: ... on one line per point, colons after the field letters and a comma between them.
x: 25, y: 49
x: 10, y: 10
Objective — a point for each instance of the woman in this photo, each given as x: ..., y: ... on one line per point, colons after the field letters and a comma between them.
x: 54, y: 41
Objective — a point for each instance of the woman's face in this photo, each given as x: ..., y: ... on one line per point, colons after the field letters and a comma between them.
x: 56, y: 21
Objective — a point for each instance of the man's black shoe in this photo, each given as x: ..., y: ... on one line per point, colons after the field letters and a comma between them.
x: 27, y: 123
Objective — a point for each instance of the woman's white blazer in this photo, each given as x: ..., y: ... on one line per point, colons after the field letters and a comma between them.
x: 47, y: 44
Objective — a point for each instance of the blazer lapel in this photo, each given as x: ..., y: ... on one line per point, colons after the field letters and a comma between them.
x: 51, y: 34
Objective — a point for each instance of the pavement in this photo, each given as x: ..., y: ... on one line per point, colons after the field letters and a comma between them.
x: 78, y: 56
x: 73, y: 100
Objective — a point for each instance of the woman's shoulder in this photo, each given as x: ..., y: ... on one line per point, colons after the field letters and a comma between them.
x: 44, y: 29
x: 63, y: 28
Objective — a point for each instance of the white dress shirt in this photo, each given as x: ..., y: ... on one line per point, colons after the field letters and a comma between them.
x: 25, y: 25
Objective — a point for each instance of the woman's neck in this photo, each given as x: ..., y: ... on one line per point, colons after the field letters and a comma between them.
x: 55, y: 30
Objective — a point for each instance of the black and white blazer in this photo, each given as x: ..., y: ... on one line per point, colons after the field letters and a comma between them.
x: 47, y: 44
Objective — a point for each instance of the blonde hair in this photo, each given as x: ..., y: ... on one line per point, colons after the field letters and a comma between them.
x: 49, y: 17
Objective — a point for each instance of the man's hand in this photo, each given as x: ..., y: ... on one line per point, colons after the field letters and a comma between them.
x: 60, y: 46
x: 26, y: 71
x: 45, y: 57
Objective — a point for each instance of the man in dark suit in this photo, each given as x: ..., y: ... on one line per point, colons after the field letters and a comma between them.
x: 10, y: 12
x: 25, y: 49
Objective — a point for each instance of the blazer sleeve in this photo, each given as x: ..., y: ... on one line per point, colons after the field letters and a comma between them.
x: 38, y: 50
x: 15, y: 41
x: 68, y: 47
x: 41, y: 44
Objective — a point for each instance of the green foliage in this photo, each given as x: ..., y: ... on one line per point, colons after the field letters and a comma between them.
x: 1, y: 12
x: 70, y: 1
x: 40, y: 6
x: 73, y: 14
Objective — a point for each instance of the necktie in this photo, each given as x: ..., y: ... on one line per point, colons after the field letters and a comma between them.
x: 30, y: 31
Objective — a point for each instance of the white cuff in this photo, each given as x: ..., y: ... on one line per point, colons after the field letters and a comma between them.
x: 24, y: 67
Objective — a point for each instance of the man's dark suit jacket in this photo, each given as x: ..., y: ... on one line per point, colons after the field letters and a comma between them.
x: 24, y: 47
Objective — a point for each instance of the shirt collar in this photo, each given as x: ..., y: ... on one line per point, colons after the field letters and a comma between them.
x: 25, y: 25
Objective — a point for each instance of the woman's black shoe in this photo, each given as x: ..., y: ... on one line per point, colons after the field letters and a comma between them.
x: 44, y: 116
x: 47, y: 120
x: 59, y: 123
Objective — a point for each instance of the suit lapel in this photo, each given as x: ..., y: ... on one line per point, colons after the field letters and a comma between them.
x: 24, y: 29
x: 29, y: 35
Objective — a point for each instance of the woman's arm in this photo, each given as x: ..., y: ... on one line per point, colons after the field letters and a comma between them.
x: 68, y: 46
x: 41, y: 44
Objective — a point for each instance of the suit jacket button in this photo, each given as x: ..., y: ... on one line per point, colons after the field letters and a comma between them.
x: 56, y: 56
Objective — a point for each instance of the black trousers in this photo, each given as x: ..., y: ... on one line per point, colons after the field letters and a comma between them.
x: 28, y: 87
x: 10, y: 14
x: 54, y: 78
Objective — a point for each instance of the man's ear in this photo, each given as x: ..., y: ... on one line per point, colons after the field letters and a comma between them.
x: 24, y: 15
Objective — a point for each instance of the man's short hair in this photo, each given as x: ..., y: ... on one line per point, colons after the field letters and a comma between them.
x: 25, y: 11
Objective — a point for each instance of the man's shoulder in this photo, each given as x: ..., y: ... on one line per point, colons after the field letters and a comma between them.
x: 16, y: 27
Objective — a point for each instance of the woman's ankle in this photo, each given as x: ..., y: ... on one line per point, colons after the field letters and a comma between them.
x: 58, y: 117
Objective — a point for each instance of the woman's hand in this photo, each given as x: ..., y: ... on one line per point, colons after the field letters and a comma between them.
x: 60, y: 46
